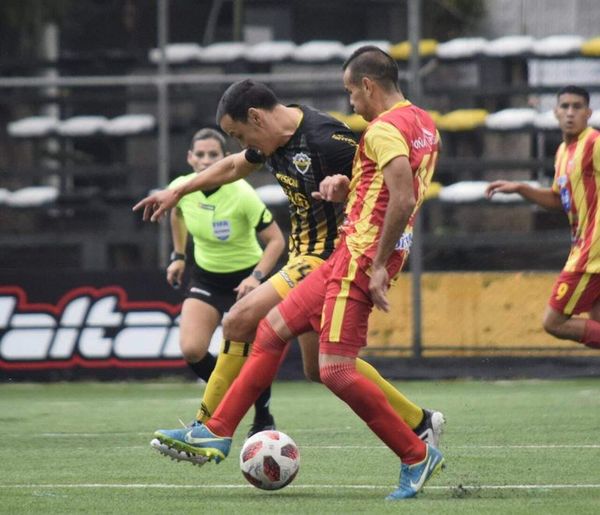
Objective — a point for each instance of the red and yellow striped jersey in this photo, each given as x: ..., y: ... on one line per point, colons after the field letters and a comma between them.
x: 403, y: 130
x: 577, y: 180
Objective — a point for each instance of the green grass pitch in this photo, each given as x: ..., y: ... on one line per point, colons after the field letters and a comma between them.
x: 511, y: 447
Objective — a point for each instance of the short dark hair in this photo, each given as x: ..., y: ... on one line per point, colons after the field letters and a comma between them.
x: 370, y: 61
x: 241, y: 96
x: 575, y: 90
x: 208, y: 133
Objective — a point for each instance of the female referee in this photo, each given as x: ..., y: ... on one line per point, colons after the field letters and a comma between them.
x: 228, y: 260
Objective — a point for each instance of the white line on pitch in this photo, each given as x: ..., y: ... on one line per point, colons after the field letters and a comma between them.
x: 320, y: 486
x: 342, y: 447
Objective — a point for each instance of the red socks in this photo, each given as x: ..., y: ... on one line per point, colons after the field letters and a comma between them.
x: 367, y: 400
x: 257, y: 373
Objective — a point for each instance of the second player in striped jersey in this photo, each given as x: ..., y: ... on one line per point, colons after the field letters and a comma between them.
x: 575, y: 190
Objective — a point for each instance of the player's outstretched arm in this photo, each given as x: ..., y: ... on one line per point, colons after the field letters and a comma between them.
x: 227, y: 170
x: 544, y: 197
x: 333, y: 188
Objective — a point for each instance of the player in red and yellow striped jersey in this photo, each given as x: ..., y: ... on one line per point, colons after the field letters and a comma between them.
x: 300, y: 146
x: 391, y: 170
x: 574, y: 189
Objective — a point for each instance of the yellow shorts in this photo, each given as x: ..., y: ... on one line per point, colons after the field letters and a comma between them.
x: 296, y: 269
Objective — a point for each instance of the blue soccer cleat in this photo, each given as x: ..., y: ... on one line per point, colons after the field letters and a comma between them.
x: 196, y: 444
x: 413, y: 477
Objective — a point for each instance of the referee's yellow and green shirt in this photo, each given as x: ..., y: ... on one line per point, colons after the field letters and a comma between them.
x: 223, y: 224
x: 577, y: 180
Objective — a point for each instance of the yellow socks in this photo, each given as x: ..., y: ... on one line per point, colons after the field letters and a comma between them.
x: 409, y: 412
x: 229, y: 363
x: 234, y: 354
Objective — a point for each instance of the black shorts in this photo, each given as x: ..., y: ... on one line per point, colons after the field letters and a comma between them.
x: 216, y: 289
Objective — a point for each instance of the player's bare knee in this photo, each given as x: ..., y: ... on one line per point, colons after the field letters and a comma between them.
x: 277, y: 322
x: 239, y: 324
x: 551, y: 327
x: 192, y: 352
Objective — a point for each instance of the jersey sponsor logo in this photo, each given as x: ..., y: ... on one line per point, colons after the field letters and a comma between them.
x: 301, y: 162
x: 405, y: 241
x: 290, y: 187
x: 222, y: 229
x: 345, y: 139
x: 426, y: 140
x: 89, y: 328
x: 565, y: 195
x: 287, y: 180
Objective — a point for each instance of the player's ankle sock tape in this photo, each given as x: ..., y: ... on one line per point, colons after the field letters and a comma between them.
x: 234, y: 348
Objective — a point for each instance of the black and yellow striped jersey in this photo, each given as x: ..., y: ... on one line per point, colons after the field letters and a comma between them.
x: 321, y: 146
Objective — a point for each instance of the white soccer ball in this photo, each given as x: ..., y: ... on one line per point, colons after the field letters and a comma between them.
x: 270, y: 460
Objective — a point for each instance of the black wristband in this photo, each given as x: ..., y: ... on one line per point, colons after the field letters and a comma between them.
x: 176, y: 256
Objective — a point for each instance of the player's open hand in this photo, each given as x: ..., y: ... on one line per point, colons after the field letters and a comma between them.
x: 501, y: 187
x: 378, y: 287
x: 333, y: 188
x: 157, y: 205
x: 246, y: 286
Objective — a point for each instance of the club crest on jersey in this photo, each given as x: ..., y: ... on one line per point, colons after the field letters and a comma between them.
x: 301, y: 162
x: 222, y: 229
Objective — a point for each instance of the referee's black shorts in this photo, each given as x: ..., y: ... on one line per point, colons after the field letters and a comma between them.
x: 216, y: 289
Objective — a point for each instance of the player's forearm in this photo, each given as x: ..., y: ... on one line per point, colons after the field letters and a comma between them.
x: 178, y: 232
x: 269, y: 257
x: 543, y: 197
x: 396, y: 219
x: 274, y: 245
x: 228, y: 169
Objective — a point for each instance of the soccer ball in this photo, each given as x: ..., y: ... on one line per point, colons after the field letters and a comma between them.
x: 270, y: 460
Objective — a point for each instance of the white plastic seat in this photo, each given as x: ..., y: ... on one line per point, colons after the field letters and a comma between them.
x: 509, y: 45
x: 464, y: 191
x: 4, y: 194
x: 461, y: 48
x: 272, y: 194
x: 33, y: 126
x: 349, y: 49
x: 129, y: 124
x: 507, y: 119
x: 558, y: 45
x: 269, y: 51
x: 32, y: 196
x: 82, y: 126
x: 223, y: 52
x: 319, y: 51
x: 546, y: 120
x: 594, y: 120
x: 177, y: 53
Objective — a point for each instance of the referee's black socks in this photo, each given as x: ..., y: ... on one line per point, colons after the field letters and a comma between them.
x: 204, y: 367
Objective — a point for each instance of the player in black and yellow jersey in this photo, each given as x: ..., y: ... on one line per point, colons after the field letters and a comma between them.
x: 300, y: 146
